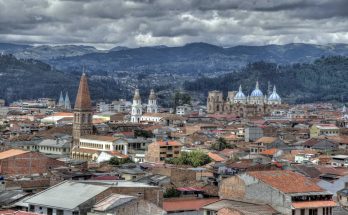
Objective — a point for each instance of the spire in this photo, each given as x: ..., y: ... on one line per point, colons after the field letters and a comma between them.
x: 240, y: 88
x: 61, y: 99
x: 257, y: 85
x: 83, y: 99
x: 136, y: 95
x: 152, y: 95
x: 67, y: 104
x: 274, y: 89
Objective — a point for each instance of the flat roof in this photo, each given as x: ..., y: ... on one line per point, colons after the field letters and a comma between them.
x: 67, y: 195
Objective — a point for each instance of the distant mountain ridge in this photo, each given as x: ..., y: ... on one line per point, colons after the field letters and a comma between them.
x: 193, y: 58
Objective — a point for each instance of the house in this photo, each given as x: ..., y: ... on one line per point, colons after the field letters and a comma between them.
x: 185, y: 206
x: 124, y: 204
x: 339, y: 160
x: 20, y: 162
x: 161, y: 150
x: 318, y: 130
x: 342, y: 196
x: 67, y: 198
x: 264, y: 143
x: 237, y: 207
x: 285, y: 191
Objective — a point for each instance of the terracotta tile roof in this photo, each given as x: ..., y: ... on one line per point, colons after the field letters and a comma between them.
x: 65, y: 114
x: 227, y: 211
x: 100, y: 138
x: 313, y: 204
x: 183, y: 204
x: 12, y: 212
x: 117, y: 154
x: 266, y: 140
x: 287, y: 181
x: 168, y: 143
x: 83, y: 99
x: 215, y: 157
x: 269, y: 151
x: 11, y: 153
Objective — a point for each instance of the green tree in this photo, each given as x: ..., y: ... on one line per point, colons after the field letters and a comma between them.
x: 118, y: 161
x: 171, y: 192
x: 195, y: 158
x: 221, y: 144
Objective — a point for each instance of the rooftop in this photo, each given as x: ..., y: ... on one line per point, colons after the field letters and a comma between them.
x: 67, y: 195
x: 11, y: 153
x: 183, y: 204
x: 100, y: 138
x: 313, y: 204
x: 286, y: 181
x: 112, y: 201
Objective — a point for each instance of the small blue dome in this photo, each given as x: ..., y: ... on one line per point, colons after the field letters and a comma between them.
x: 240, y: 95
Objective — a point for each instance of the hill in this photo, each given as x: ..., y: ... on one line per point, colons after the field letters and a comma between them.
x: 27, y: 79
x: 326, y: 79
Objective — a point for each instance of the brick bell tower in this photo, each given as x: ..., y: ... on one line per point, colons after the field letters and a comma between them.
x: 82, y: 124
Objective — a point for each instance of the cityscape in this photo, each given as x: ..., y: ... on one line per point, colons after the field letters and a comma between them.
x: 186, y: 107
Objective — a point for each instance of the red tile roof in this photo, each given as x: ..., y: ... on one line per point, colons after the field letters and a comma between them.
x: 286, y: 181
x: 168, y: 143
x: 269, y: 151
x: 216, y: 157
x: 11, y: 153
x: 313, y: 204
x: 182, y: 204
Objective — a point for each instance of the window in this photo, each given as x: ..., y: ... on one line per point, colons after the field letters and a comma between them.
x: 293, y: 212
x: 303, y: 211
x: 313, y: 211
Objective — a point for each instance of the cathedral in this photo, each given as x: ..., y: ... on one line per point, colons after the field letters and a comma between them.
x: 137, y: 108
x: 253, y: 105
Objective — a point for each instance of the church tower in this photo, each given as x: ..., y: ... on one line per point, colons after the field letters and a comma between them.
x: 152, y: 103
x: 67, y: 104
x: 137, y: 110
x: 82, y: 112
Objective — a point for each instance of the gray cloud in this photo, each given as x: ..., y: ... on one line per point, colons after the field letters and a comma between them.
x: 109, y: 23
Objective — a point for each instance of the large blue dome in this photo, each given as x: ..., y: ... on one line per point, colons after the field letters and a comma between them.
x: 257, y: 92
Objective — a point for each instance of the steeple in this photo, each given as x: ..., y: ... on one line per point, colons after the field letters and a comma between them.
x: 67, y: 104
x: 83, y: 99
x: 257, y: 85
x: 137, y: 110
x: 61, y: 100
x: 152, y: 103
x: 82, y: 124
x: 240, y: 88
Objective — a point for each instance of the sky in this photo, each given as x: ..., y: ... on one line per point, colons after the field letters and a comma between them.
x: 134, y: 23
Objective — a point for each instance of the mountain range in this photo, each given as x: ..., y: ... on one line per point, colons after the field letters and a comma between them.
x: 28, y: 71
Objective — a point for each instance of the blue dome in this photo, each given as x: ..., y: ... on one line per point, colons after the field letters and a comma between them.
x: 240, y: 95
x: 274, y: 96
x: 257, y: 92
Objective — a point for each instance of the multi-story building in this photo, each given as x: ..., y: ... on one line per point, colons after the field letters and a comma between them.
x: 256, y: 104
x: 318, y: 130
x: 161, y: 150
x: 91, y: 147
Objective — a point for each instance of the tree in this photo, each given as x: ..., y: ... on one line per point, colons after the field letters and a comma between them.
x: 195, y: 158
x: 221, y: 144
x: 171, y: 192
x: 119, y: 161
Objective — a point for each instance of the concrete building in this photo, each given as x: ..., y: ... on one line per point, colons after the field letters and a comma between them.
x: 286, y: 191
x: 318, y: 130
x: 67, y: 198
x: 253, y: 133
x: 161, y: 150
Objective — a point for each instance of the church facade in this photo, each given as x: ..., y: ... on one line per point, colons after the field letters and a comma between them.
x: 253, y: 105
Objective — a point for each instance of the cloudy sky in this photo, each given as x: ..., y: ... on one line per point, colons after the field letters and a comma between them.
x: 133, y: 23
